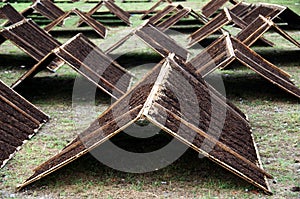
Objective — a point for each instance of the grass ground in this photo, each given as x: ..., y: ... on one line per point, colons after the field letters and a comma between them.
x: 274, y: 116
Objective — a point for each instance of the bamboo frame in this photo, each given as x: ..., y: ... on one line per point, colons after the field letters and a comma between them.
x: 21, y: 122
x: 102, y: 129
x: 237, y: 50
x: 155, y: 39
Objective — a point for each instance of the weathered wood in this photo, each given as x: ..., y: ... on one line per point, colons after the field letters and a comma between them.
x: 249, y: 29
x: 14, y: 16
x: 161, y: 14
x: 154, y: 99
x: 166, y: 24
x: 33, y: 40
x: 113, y: 8
x: 214, y: 57
x: 11, y: 14
x: 257, y: 28
x: 172, y: 14
x: 47, y: 9
x: 30, y: 38
x: 209, y: 28
x: 19, y: 121
x: 154, y: 38
x: 95, y: 25
x: 88, y: 60
x: 249, y: 12
x: 272, y: 11
x: 153, y: 8
x: 212, y: 6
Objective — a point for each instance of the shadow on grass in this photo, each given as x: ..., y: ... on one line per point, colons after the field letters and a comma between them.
x: 280, y: 57
x: 130, y: 60
x: 15, y: 61
x: 71, y: 32
x: 55, y: 90
x: 252, y: 87
x: 187, y: 171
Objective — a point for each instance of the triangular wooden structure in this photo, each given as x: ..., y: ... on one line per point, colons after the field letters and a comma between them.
x: 88, y: 60
x: 11, y: 14
x: 99, y: 28
x: 277, y: 13
x: 44, y: 7
x: 226, y: 49
x: 248, y: 12
x: 113, y: 8
x: 155, y: 39
x: 33, y: 40
x: 234, y: 149
x: 171, y: 14
x: 213, y: 5
x: 258, y: 27
x: 153, y: 8
x: 227, y: 16
x: 19, y: 121
x: 14, y: 16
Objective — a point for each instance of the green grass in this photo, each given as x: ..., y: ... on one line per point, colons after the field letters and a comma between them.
x: 274, y: 116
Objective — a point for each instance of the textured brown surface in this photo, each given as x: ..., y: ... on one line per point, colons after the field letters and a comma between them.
x: 102, y: 127
x: 19, y: 121
x: 48, y: 9
x: 113, y: 8
x: 153, y: 8
x: 11, y: 14
x: 161, y: 14
x: 30, y: 38
x: 89, y: 61
x: 161, y: 42
x: 212, y: 6
x: 257, y: 28
x: 86, y: 58
x: 95, y: 25
x: 254, y: 22
x: 216, y: 130
x: 155, y: 39
x: 172, y: 14
x: 227, y: 49
x: 212, y: 26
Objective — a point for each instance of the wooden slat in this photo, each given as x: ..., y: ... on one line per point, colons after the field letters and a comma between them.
x: 166, y: 24
x: 152, y: 9
x: 161, y: 42
x: 158, y: 16
x: 120, y: 13
x: 214, y: 57
x: 95, y: 25
x: 11, y: 14
x: 155, y: 39
x: 264, y: 68
x: 19, y: 121
x: 113, y: 8
x: 89, y: 61
x: 212, y: 6
x: 258, y: 27
x: 48, y: 9
x: 30, y: 38
x: 209, y: 28
x: 154, y: 99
